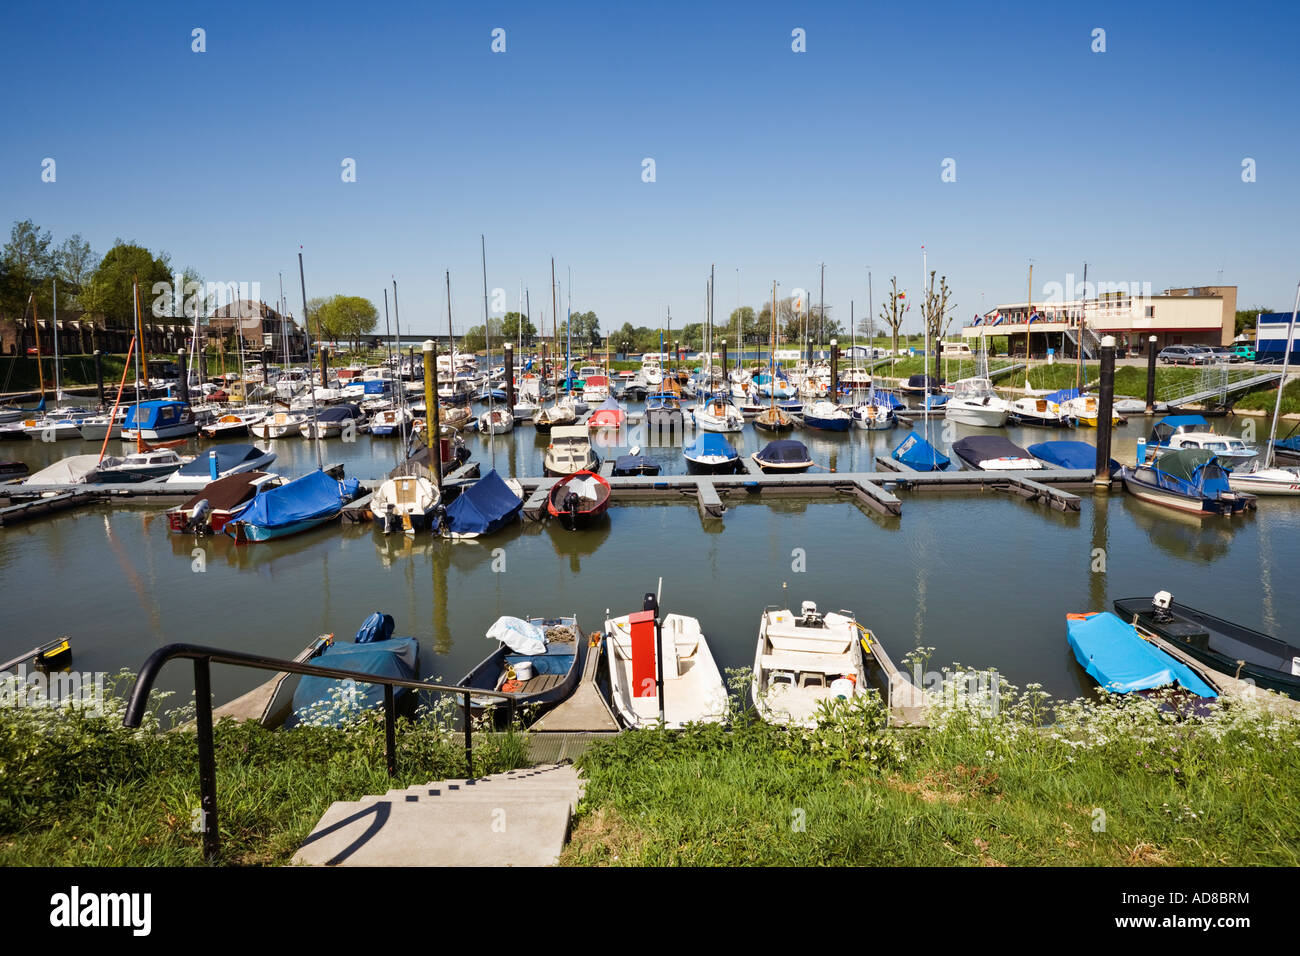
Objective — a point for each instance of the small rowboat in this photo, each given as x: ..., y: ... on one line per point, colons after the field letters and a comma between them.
x: 578, y: 499
x: 536, y: 680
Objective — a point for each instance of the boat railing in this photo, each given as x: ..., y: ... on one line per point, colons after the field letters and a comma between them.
x: 205, y: 657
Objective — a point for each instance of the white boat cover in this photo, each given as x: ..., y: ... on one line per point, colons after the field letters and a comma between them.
x: 519, y: 635
x: 72, y: 470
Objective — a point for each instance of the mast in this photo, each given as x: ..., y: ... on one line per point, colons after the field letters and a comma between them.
x: 40, y: 360
x: 139, y: 331
x: 58, y: 392
x: 451, y: 342
x: 311, y: 385
x: 1078, y: 344
x: 401, y: 389
x: 568, y: 385
x: 388, y: 348
x: 1286, y: 363
x: 487, y: 341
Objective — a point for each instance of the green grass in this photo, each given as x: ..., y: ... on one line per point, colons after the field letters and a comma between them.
x: 80, y: 790
x: 1264, y: 399
x: 972, y: 790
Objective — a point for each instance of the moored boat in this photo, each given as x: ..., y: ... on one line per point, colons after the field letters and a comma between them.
x: 994, y: 453
x: 826, y: 416
x: 711, y: 454
x: 917, y: 453
x: 1116, y: 657
x: 296, y: 506
x: 569, y: 450
x: 159, y: 420
x: 578, y: 499
x: 485, y: 507
x: 803, y: 660
x: 1190, y: 480
x: 783, y: 457
x: 537, y: 660
x: 210, y: 508
x: 221, y: 461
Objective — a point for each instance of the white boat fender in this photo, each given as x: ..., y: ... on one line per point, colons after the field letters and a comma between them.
x: 843, y: 687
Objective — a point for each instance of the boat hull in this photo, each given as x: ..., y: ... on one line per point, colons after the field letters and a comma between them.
x: 981, y: 416
x: 1189, y: 504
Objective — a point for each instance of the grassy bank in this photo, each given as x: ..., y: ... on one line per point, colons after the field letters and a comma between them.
x: 80, y: 790
x: 1112, y: 782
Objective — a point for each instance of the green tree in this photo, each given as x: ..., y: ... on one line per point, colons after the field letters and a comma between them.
x: 1247, y: 318
x: 510, y: 327
x: 76, y: 264
x: 472, y: 340
x: 347, y: 318
x: 27, y: 263
x: 894, y: 309
x: 109, y: 289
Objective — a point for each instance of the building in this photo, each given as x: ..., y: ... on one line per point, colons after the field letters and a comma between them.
x: 1270, y: 334
x: 1201, y: 315
x: 260, y: 326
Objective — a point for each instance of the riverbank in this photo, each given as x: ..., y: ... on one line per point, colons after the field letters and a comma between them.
x: 1111, y: 783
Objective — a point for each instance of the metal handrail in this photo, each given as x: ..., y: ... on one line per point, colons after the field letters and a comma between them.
x: 203, y: 657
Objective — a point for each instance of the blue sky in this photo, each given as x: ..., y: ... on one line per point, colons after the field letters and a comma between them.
x: 768, y: 162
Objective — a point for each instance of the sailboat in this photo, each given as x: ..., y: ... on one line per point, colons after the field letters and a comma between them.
x: 773, y: 419
x: 915, y: 451
x: 1266, y: 477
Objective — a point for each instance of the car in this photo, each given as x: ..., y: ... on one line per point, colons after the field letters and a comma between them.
x: 1244, y: 353
x: 1183, y: 355
x: 1221, y: 353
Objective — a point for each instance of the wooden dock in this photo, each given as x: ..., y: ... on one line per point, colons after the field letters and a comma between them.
x: 586, y: 710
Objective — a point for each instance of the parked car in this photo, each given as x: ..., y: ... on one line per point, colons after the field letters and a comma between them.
x: 1184, y: 355
x: 1221, y: 353
x: 1244, y: 353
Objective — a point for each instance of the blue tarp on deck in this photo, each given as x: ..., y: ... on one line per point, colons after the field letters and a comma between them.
x: 1117, y: 658
x: 312, y: 496
x: 336, y: 700
x: 483, y: 507
x: 915, y: 452
x: 710, y: 444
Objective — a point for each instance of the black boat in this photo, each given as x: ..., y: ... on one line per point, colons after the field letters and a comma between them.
x: 635, y: 464
x: 1226, y: 647
x: 784, y: 456
x: 921, y: 384
x: 994, y: 453
x: 553, y: 674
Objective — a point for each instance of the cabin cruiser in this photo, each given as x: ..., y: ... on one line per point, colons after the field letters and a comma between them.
x: 718, y: 414
x: 973, y: 402
x: 569, y: 451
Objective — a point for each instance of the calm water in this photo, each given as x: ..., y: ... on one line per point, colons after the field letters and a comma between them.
x: 984, y: 578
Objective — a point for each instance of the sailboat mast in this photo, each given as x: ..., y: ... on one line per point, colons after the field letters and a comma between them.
x: 139, y: 332
x: 1286, y: 364
x: 57, y: 390
x: 487, y: 340
x: 40, y: 360
x: 401, y: 389
x: 1078, y: 344
x: 311, y: 384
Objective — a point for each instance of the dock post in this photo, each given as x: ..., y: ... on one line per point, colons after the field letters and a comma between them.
x: 185, y: 376
x: 324, y: 368
x: 1151, y: 375
x: 724, y: 364
x: 510, y: 377
x: 1105, y: 410
x: 835, y: 370
x: 266, y: 372
x: 99, y: 374
x: 432, y: 432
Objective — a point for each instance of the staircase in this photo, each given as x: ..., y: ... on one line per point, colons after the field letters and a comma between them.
x: 1088, y: 342
x: 518, y: 818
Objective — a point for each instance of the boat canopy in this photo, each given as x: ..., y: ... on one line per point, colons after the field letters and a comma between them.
x: 1165, y: 428
x: 635, y: 464
x: 710, y: 445
x: 785, y: 451
x: 1067, y: 454
x: 923, y: 381
x: 1062, y: 396
x: 154, y: 413
x: 339, y: 413
x: 1195, y: 467
x: 332, y: 702
x: 986, y: 447
x: 228, y: 457
x: 311, y: 496
x: 225, y: 493
x: 915, y: 452
x: 1117, y: 658
x: 483, y: 507
x: 70, y: 471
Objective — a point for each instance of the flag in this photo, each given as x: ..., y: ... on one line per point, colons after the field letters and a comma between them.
x: 902, y: 295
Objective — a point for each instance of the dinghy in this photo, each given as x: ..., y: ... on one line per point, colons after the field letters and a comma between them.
x: 578, y: 499
x: 1228, y: 648
x: 803, y: 660
x: 783, y: 457
x: 711, y: 454
x: 994, y: 453
x: 1115, y: 655
x: 536, y: 660
x: 692, y: 692
x: 209, y: 509
x: 406, y: 503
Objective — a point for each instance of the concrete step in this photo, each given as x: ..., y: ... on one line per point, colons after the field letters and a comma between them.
x: 520, y: 818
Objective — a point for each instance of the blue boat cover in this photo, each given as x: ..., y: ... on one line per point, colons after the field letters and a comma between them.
x: 1117, y: 658
x: 784, y: 451
x: 1069, y: 454
x: 374, y: 387
x: 1064, y: 395
x: 710, y: 444
x: 1164, y: 429
x: 483, y: 507
x: 915, y: 452
x: 331, y: 702
x: 886, y: 400
x: 228, y: 456
x: 377, y: 627
x: 149, y: 412
x: 339, y: 413
x: 314, y: 495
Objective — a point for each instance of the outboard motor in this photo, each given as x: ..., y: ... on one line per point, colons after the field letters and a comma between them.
x: 198, y: 520
x: 810, y: 616
x: 389, y: 518
x: 1160, y: 605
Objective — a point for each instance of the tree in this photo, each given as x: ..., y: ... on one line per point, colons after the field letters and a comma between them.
x: 894, y: 309
x: 28, y: 265
x: 76, y: 264
x: 109, y: 290
x: 937, y: 314
x: 586, y: 329
x: 1247, y: 318
x: 510, y: 327
x: 347, y: 317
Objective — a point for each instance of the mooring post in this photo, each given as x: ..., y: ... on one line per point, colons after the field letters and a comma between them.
x: 724, y: 364
x: 266, y: 371
x: 1104, y: 411
x: 324, y: 368
x: 432, y: 433
x: 185, y: 376
x: 99, y: 374
x: 1151, y: 375
x: 469, y: 739
x: 510, y: 377
x: 835, y: 370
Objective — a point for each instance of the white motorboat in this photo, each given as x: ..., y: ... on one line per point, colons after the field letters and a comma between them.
x: 803, y: 660
x: 140, y: 465
x: 53, y: 428
x: 1266, y: 481
x: 233, y: 424
x: 99, y: 427
x: 405, y: 503
x: 569, y: 451
x: 1035, y: 410
x: 497, y: 421
x: 973, y: 402
x: 278, y: 425
x: 693, y: 691
x: 718, y: 415
x: 221, y: 461
x: 1231, y: 451
x: 390, y: 421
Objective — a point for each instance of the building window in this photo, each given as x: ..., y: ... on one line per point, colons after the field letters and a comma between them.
x: 1151, y: 312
